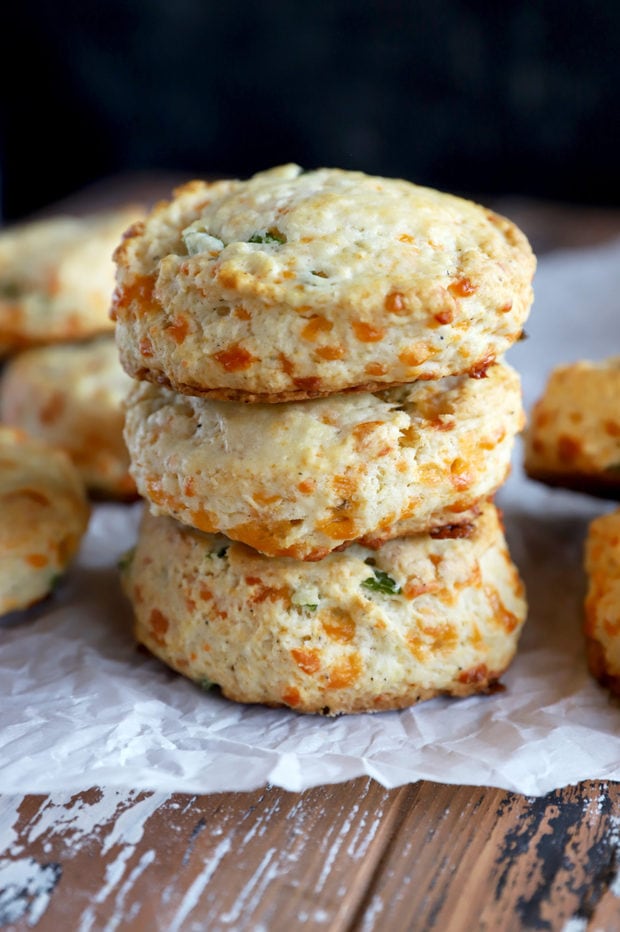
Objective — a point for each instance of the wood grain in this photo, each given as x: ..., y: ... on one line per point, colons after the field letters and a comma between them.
x: 348, y: 856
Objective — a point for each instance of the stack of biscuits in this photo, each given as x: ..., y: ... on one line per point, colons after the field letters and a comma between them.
x: 319, y: 421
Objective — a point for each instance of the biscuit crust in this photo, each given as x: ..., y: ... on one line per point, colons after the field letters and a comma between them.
x: 57, y: 277
x: 360, y: 631
x: 44, y: 516
x: 573, y: 438
x: 71, y: 396
x: 305, y: 478
x: 602, y: 602
x: 295, y: 285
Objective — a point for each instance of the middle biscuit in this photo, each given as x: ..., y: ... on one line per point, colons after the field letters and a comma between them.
x: 301, y: 479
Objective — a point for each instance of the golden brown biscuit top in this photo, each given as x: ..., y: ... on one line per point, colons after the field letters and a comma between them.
x: 329, y: 239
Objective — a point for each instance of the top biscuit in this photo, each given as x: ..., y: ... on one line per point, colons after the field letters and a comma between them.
x: 293, y: 285
x: 57, y: 277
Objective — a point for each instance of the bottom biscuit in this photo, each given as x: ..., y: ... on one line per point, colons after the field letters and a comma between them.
x: 602, y: 602
x: 360, y: 631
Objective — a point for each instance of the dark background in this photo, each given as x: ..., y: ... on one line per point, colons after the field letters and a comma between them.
x: 476, y: 98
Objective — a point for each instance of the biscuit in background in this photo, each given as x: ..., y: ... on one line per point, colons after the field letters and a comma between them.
x: 360, y: 631
x: 57, y: 277
x: 602, y: 603
x: 71, y: 396
x: 294, y: 285
x: 44, y: 516
x: 573, y: 436
x: 301, y: 479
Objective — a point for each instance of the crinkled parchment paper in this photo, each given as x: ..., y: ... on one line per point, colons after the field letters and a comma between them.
x: 80, y: 706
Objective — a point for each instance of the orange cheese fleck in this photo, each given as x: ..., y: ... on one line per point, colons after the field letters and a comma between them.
x: 286, y: 364
x: 178, y: 329
x: 416, y: 354
x: 338, y: 626
x: 315, y: 327
x: 310, y: 384
x: 362, y: 430
x: 307, y: 660
x: 146, y: 347
x: 262, y: 499
x: 415, y: 587
x: 476, y: 675
x: 37, y: 560
x: 375, y: 369
x: 330, y: 353
x: 366, y: 333
x: 395, y: 303
x: 291, y: 696
x: 34, y: 496
x: 265, y: 538
x: 204, y: 520
x: 339, y: 526
x: 344, y: 485
x: 158, y: 624
x: 53, y: 408
x: 345, y: 672
x: 462, y: 288
x: 235, y: 358
x: 505, y: 618
x: 138, y: 294
x: 568, y: 448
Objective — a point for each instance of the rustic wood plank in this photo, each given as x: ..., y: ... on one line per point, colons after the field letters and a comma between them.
x: 469, y: 858
x: 268, y: 859
x: 347, y: 856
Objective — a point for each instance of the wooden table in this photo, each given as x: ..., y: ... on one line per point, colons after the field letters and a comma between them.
x: 345, y: 856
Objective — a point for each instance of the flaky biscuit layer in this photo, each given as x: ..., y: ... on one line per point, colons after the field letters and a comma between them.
x: 293, y: 285
x: 303, y: 478
x: 359, y: 631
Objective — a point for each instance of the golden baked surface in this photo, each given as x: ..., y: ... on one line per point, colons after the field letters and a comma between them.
x: 573, y: 438
x: 57, y: 277
x: 293, y: 285
x: 44, y: 515
x: 71, y: 395
x: 602, y: 604
x: 361, y: 630
x: 300, y: 479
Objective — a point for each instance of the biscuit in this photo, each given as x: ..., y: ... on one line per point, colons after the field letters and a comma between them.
x: 57, y: 277
x: 359, y: 631
x: 70, y: 395
x: 44, y: 515
x: 573, y: 436
x: 294, y: 285
x: 602, y: 603
x: 301, y: 479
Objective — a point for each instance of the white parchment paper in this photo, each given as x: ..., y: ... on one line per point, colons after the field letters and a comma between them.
x: 80, y: 706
